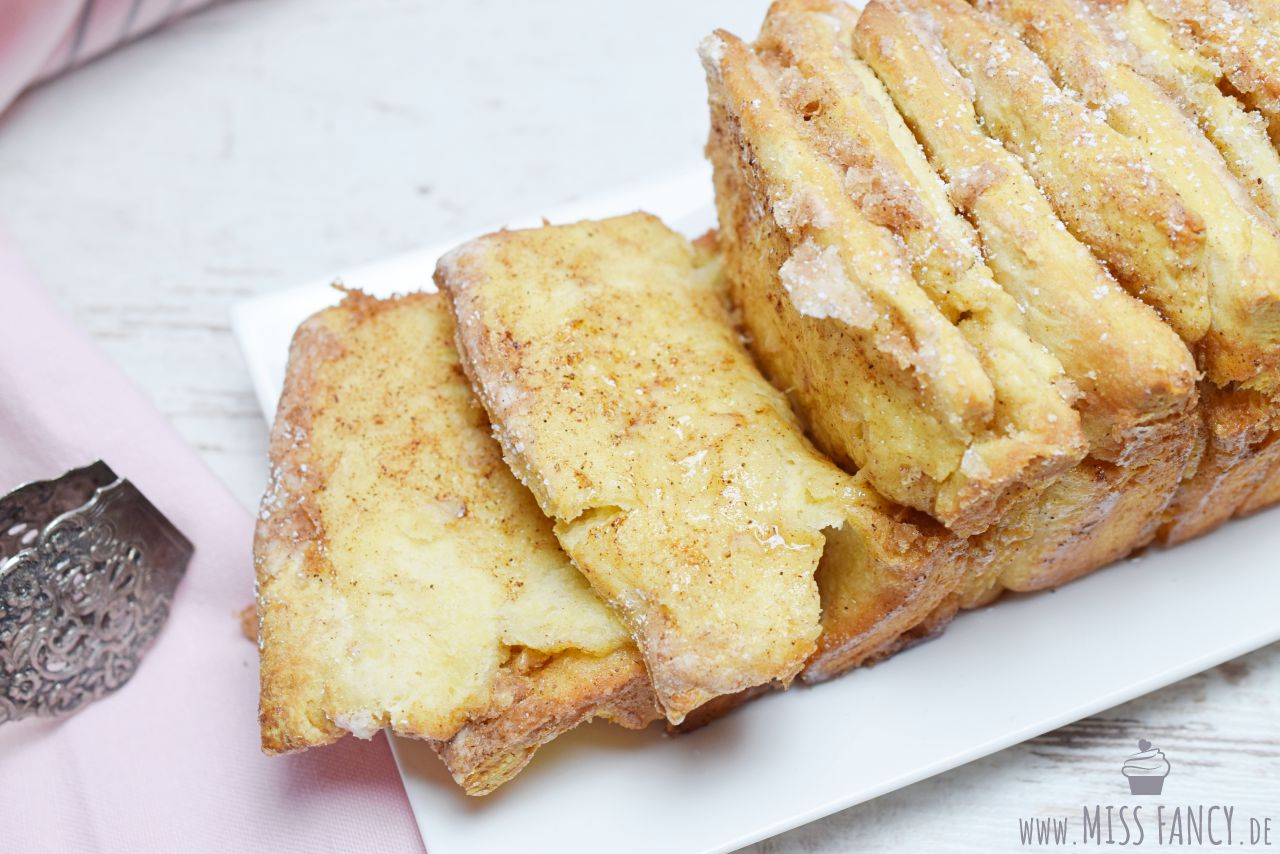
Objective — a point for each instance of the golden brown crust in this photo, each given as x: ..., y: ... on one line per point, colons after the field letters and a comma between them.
x: 288, y: 514
x: 962, y: 467
x: 1237, y: 433
x: 716, y: 708
x: 1071, y: 303
x: 1092, y: 516
x: 712, y: 613
x: 930, y: 626
x: 389, y: 515
x: 570, y: 690
x: 1248, y: 56
x: 1267, y: 493
x: 1241, y: 263
x: 1196, y: 82
x: 869, y: 606
x: 1098, y: 181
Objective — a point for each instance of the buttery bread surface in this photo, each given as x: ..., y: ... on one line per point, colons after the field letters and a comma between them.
x: 863, y: 294
x: 405, y: 578
x: 679, y: 481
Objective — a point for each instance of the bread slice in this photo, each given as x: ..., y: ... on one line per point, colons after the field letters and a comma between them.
x: 1242, y: 260
x: 1247, y: 53
x: 797, y: 119
x: 1242, y: 247
x: 1267, y: 492
x: 1099, y: 182
x: 405, y: 578
x: 1137, y: 379
x: 1196, y: 82
x: 680, y: 483
x: 1104, y: 181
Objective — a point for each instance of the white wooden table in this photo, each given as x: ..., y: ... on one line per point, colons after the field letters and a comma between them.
x: 262, y: 144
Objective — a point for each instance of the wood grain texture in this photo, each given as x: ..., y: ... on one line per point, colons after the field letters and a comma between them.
x: 1220, y: 731
x: 262, y: 144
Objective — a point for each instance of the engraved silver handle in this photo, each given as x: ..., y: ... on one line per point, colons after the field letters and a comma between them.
x: 88, y: 569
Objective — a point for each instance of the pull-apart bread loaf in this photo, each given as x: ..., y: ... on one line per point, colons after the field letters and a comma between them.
x: 865, y: 296
x: 679, y: 480
x: 1016, y: 265
x: 1131, y: 379
x: 405, y: 578
x: 1131, y: 175
x: 1136, y: 378
x: 1240, y: 471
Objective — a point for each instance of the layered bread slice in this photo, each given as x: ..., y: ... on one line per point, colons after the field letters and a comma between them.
x: 1197, y: 83
x: 864, y: 296
x: 1240, y: 43
x: 1099, y: 182
x: 1134, y: 179
x: 678, y: 478
x: 1242, y: 261
x: 1136, y: 377
x: 1266, y: 493
x: 405, y: 579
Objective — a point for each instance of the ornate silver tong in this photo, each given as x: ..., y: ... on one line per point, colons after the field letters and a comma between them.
x: 88, y: 569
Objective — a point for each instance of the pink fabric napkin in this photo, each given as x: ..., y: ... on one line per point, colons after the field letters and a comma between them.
x: 171, y: 761
x: 41, y: 38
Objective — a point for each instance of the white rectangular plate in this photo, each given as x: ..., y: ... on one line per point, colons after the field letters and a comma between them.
x: 997, y: 676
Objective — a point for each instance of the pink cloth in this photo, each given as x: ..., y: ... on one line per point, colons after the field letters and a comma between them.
x: 170, y: 762
x: 41, y: 38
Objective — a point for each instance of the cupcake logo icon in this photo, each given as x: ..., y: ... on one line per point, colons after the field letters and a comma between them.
x: 1146, y: 770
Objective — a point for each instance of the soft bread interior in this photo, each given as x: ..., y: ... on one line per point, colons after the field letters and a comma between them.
x: 679, y: 480
x: 405, y: 578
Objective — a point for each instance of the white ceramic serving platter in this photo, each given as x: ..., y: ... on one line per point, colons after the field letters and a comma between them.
x: 997, y: 676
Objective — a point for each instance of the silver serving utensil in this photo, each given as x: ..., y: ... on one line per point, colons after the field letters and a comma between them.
x: 88, y: 569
